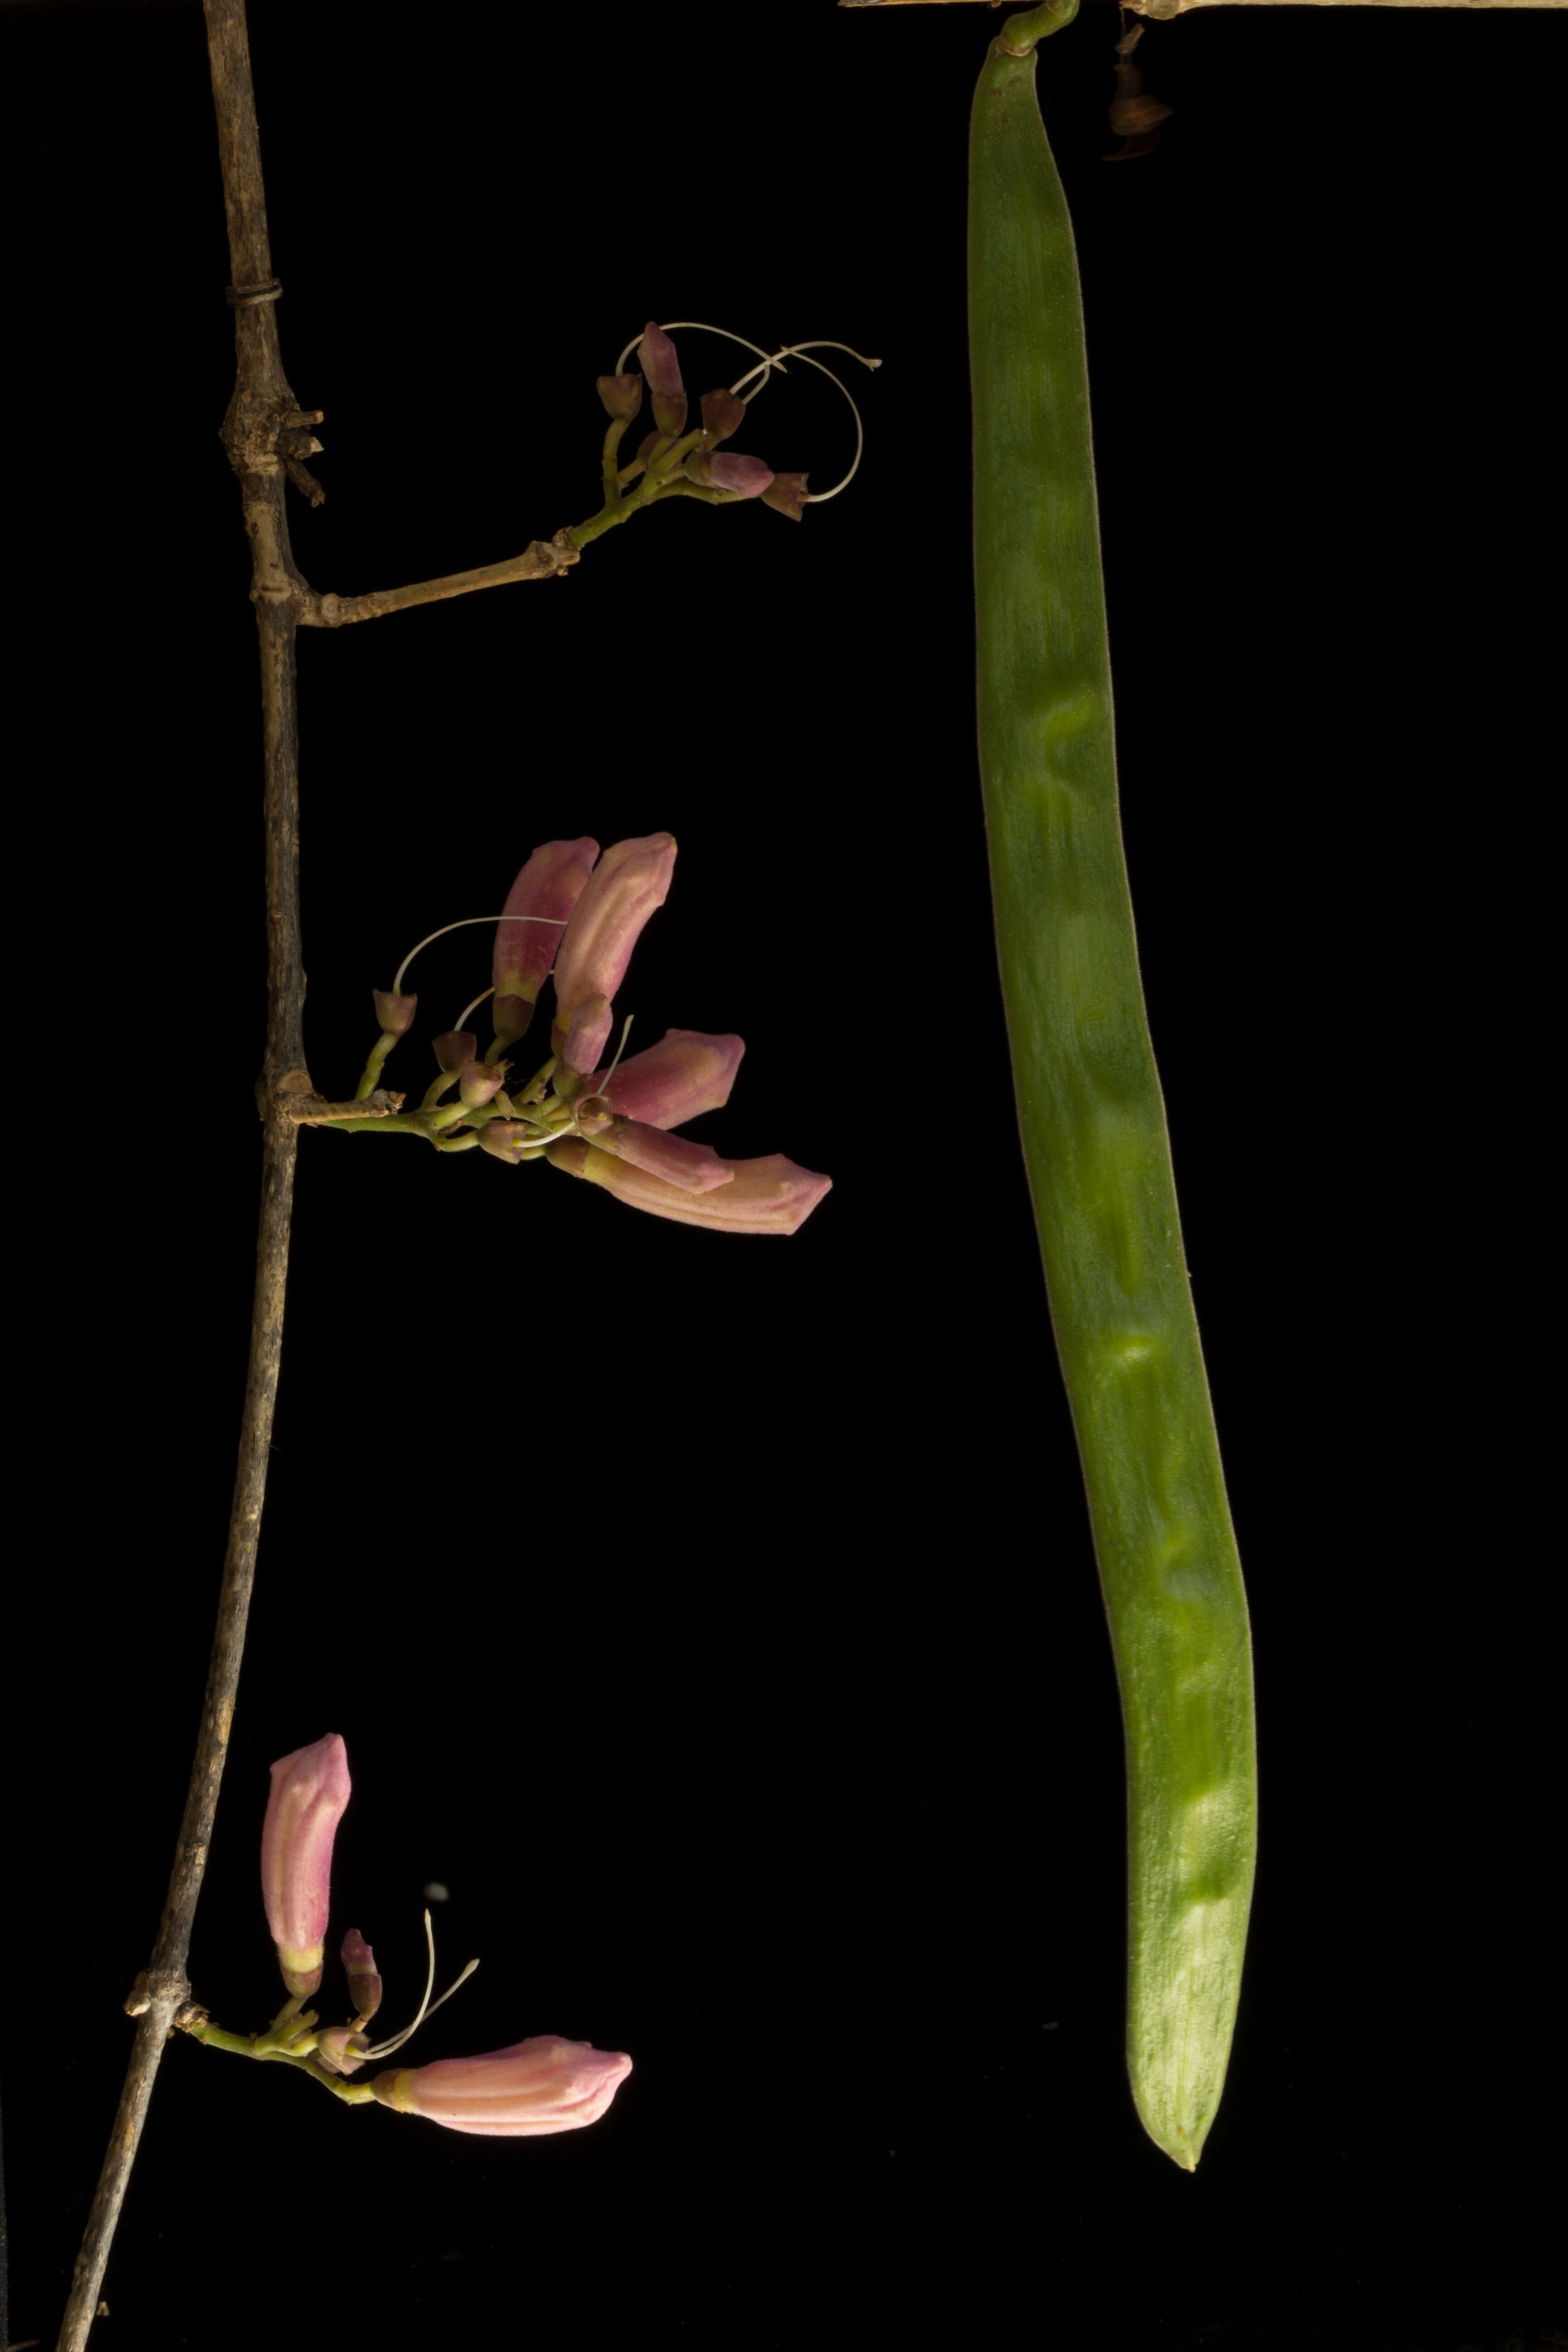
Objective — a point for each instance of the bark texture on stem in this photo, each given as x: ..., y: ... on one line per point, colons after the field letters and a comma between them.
x: 161, y: 1989
x: 262, y: 412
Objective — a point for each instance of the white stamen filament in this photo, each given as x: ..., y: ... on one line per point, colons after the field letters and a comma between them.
x: 803, y: 352
x: 396, y: 989
x: 428, y: 2007
x: 462, y: 1019
x: 699, y: 326
x: 620, y: 1049
x: 772, y: 361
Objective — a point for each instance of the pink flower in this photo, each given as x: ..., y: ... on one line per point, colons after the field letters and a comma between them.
x: 685, y: 1074
x: 690, y: 1167
x: 546, y: 891
x: 764, y: 1196
x: 309, y: 1790
x: 544, y: 2085
x: 629, y: 881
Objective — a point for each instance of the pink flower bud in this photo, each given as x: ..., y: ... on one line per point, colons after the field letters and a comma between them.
x: 767, y: 1196
x: 546, y: 891
x: 544, y: 2085
x: 309, y: 1790
x: 629, y: 881
x: 690, y: 1167
x: 723, y: 413
x: 622, y: 396
x: 662, y: 369
x: 364, y: 1984
x: 340, y: 2049
x: 744, y: 478
x: 685, y: 1074
x: 506, y: 1138
x: 478, y: 1084
x: 395, y: 1014
x: 787, y: 495
x: 454, y: 1047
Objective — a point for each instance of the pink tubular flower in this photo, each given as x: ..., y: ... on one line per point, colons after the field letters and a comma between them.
x: 309, y: 1790
x: 690, y: 1167
x: 546, y: 891
x: 685, y: 1074
x: 764, y: 1196
x: 544, y: 2085
x: 629, y: 881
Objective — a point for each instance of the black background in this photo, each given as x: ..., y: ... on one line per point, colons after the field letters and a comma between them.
x: 721, y: 1624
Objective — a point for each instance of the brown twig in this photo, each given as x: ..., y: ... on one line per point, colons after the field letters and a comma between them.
x: 538, y: 560
x: 268, y: 437
x: 263, y: 408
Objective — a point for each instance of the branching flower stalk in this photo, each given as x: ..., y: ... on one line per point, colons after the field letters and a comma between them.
x: 612, y: 1123
x: 268, y: 437
x: 542, y: 2086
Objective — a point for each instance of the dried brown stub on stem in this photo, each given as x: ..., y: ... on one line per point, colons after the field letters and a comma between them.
x: 1134, y: 118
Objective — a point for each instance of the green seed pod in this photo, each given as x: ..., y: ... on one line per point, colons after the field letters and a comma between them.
x: 1093, y: 1121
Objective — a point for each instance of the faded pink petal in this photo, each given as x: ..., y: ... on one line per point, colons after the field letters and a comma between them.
x: 766, y: 1196
x: 359, y: 1966
x: 506, y: 1138
x: 546, y: 891
x: 629, y: 881
x: 309, y: 1790
x: 340, y: 2049
x: 690, y: 1167
x: 542, y: 2084
x: 688, y: 1072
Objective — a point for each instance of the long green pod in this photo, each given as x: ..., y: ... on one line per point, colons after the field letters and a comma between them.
x: 1093, y: 1120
